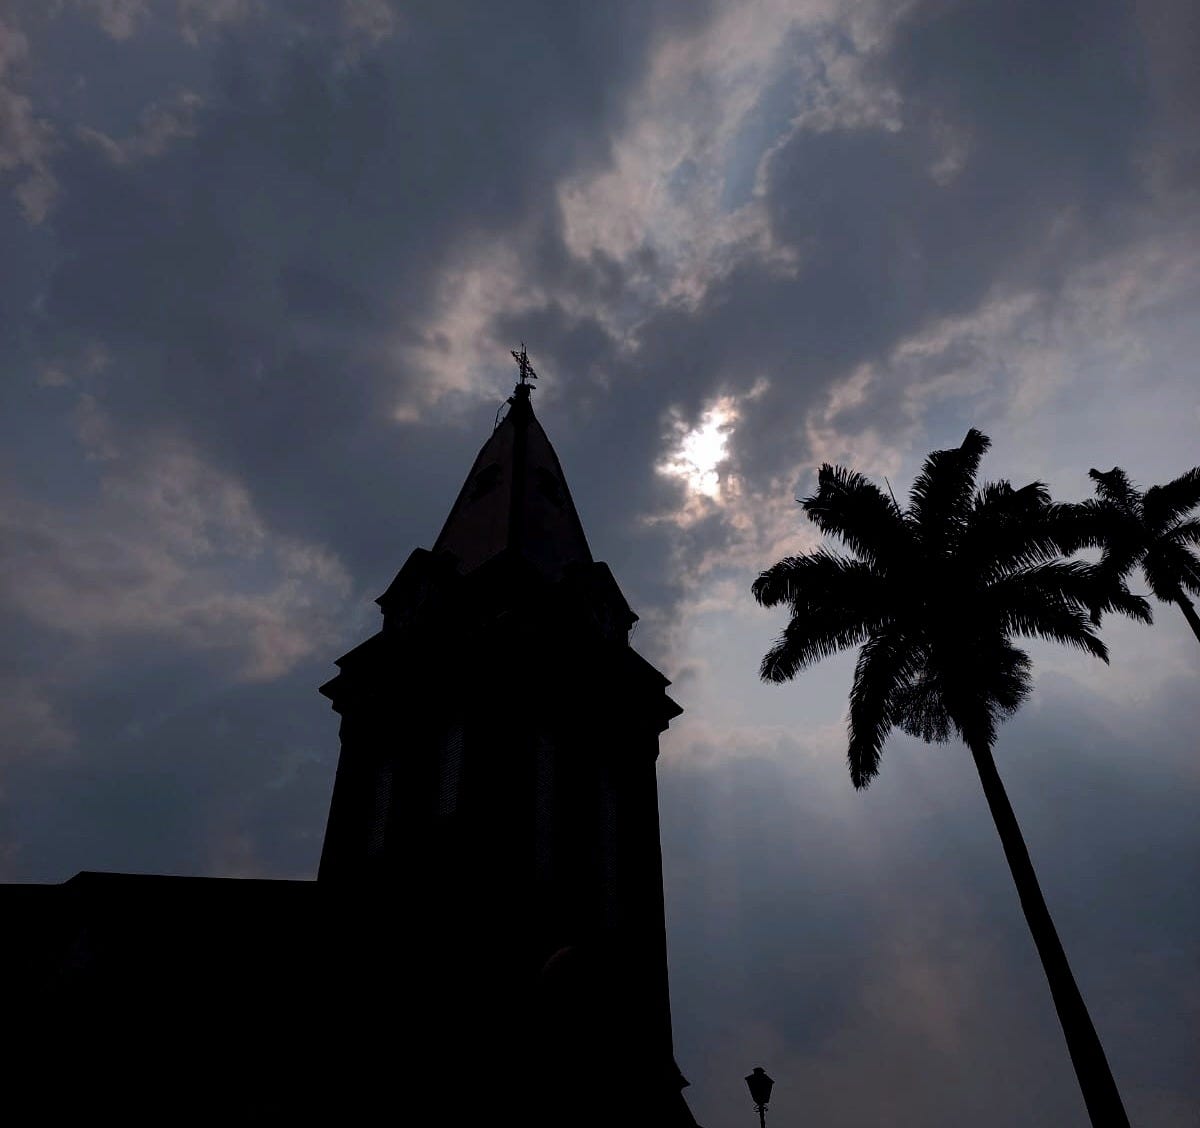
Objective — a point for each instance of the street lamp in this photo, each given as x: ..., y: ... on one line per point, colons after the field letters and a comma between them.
x: 759, y: 1085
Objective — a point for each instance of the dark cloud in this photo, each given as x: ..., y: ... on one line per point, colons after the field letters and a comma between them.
x: 256, y: 284
x: 1050, y: 115
x: 177, y: 775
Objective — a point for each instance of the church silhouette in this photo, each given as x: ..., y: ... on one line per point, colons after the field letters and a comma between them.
x: 485, y: 941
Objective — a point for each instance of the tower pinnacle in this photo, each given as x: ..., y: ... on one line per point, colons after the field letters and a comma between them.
x: 522, y: 359
x: 516, y: 498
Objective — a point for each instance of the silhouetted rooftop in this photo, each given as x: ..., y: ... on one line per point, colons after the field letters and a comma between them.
x: 516, y: 497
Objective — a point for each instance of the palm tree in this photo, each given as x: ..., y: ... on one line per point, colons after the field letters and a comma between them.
x: 1151, y: 530
x: 934, y: 595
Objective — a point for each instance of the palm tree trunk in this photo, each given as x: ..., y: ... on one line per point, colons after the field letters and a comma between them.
x: 1189, y: 613
x: 1087, y: 1055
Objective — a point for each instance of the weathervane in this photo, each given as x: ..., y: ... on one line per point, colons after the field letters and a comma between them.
x: 522, y: 359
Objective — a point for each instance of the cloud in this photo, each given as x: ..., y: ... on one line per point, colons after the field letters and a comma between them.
x: 199, y: 16
x: 915, y: 273
x: 373, y: 20
x: 118, y: 18
x: 26, y: 141
x: 229, y: 780
x: 170, y: 548
x: 159, y: 125
x: 32, y: 724
x: 76, y: 366
x: 1171, y: 35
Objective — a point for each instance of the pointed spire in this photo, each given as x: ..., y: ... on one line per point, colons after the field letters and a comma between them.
x: 515, y: 497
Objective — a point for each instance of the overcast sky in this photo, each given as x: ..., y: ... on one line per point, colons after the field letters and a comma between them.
x: 261, y: 263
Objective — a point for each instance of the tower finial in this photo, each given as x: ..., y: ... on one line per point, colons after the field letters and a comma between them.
x: 522, y: 359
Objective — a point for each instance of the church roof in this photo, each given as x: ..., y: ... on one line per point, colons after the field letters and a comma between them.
x: 516, y: 498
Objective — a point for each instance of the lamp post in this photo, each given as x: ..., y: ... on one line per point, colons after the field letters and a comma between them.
x: 759, y: 1085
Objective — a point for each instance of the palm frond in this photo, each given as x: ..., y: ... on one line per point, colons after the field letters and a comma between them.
x: 920, y: 709
x: 1120, y: 557
x: 885, y: 664
x: 1171, y: 568
x: 1073, y: 578
x: 1011, y: 680
x: 1010, y: 528
x: 1081, y: 524
x: 1172, y: 500
x: 1117, y: 599
x: 816, y: 577
x: 1041, y: 615
x: 1000, y: 497
x: 1005, y: 669
x: 1097, y: 523
x: 1184, y: 532
x: 943, y: 489
x: 1083, y: 587
x: 1115, y: 487
x: 1098, y: 587
x: 812, y: 634
x: 852, y: 508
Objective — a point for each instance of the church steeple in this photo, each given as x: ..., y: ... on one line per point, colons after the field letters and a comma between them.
x: 495, y: 803
x: 516, y: 498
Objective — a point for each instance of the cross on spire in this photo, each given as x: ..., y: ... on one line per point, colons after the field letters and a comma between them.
x: 522, y: 359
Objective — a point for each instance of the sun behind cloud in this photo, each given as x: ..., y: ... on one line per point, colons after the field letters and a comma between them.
x: 701, y: 451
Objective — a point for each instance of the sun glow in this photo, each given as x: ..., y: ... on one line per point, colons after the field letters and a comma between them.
x: 700, y: 452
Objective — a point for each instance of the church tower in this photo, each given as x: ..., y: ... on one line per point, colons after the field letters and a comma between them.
x: 493, y: 833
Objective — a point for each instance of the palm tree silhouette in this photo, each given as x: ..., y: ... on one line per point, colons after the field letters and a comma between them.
x: 1151, y: 530
x: 934, y: 595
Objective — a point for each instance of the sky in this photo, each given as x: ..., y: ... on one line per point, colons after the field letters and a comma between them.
x: 262, y: 264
